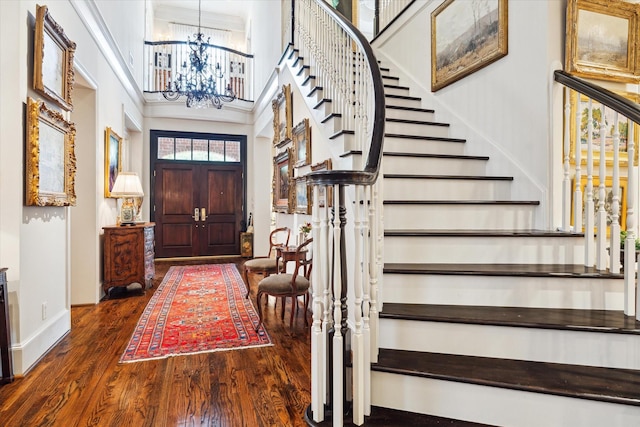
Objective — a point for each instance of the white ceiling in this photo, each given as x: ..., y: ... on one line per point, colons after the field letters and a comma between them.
x: 227, y: 7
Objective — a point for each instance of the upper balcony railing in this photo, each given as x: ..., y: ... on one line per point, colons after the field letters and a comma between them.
x: 165, y: 59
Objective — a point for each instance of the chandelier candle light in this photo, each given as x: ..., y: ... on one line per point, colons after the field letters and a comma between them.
x: 199, y: 80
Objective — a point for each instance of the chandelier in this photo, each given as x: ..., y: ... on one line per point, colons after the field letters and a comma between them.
x: 199, y: 80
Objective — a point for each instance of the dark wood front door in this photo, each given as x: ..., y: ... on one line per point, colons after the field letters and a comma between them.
x: 198, y: 209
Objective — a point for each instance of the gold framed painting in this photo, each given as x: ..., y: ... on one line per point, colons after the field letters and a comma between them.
x: 580, y: 105
x: 325, y: 193
x: 282, y: 175
x: 53, y: 74
x: 112, y: 159
x: 301, y: 196
x: 602, y: 40
x: 50, y: 157
x: 282, y: 116
x: 465, y: 37
x: 608, y: 201
x: 302, y: 143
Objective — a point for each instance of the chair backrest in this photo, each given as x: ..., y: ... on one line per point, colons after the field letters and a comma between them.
x: 305, y: 262
x: 279, y: 236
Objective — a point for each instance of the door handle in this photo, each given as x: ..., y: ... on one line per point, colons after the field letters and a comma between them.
x: 196, y: 214
x: 203, y: 214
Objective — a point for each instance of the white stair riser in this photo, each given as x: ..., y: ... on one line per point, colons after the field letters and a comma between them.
x: 413, y: 103
x: 316, y: 97
x: 590, y: 348
x: 409, y: 145
x: 479, y: 250
x: 333, y: 125
x: 394, y: 113
x: 433, y: 166
x: 494, y: 405
x: 463, y: 217
x: 396, y: 91
x: 324, y: 109
x: 416, y: 129
x: 445, y: 189
x: 505, y: 291
x: 390, y: 80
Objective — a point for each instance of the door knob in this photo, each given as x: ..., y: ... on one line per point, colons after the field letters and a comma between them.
x: 196, y: 214
x: 203, y: 214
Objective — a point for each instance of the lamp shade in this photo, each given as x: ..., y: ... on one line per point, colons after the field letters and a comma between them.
x: 127, y: 185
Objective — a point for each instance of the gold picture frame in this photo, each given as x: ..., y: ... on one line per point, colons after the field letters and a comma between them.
x: 300, y: 196
x: 323, y: 196
x: 282, y: 116
x: 580, y: 103
x: 53, y: 74
x: 50, y: 157
x: 282, y: 175
x: 301, y: 137
x: 608, y: 183
x: 594, y: 29
x: 456, y: 25
x: 112, y: 159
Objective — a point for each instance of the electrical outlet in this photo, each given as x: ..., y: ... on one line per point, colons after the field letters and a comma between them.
x: 44, y: 310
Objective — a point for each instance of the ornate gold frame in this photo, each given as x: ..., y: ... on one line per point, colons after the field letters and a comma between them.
x: 325, y: 165
x: 302, y: 138
x: 282, y: 204
x: 575, y: 60
x: 447, y: 70
x: 282, y: 116
x: 573, y: 99
x: 299, y: 187
x: 50, y: 178
x: 112, y: 166
x: 52, y: 60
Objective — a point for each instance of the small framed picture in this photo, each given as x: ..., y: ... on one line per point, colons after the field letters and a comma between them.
x: 302, y: 143
x: 53, y: 73
x: 301, y: 196
x: 282, y: 173
x: 112, y: 159
x: 50, y: 157
x: 325, y: 193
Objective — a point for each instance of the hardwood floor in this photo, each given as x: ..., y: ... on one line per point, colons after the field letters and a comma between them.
x: 80, y: 382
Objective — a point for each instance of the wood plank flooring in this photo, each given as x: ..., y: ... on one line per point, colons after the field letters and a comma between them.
x: 80, y: 382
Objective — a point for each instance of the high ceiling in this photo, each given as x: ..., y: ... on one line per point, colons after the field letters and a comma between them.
x: 226, y: 7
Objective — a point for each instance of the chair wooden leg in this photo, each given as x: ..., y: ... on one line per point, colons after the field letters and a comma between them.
x: 258, y: 298
x: 294, y: 308
x: 246, y: 281
x: 306, y: 308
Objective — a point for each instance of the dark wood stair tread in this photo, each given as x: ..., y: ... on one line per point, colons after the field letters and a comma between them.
x: 607, y: 321
x: 481, y: 233
x: 416, y: 122
x: 434, y: 155
x: 423, y: 137
x: 400, y: 107
x: 586, y: 382
x: 461, y: 202
x: 516, y: 270
x: 463, y: 177
x: 387, y: 417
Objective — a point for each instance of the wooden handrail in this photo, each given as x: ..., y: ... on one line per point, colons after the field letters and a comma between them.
x: 612, y: 100
x: 371, y: 169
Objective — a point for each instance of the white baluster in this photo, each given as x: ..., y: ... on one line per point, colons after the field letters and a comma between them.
x: 566, y: 181
x: 589, y: 206
x: 356, y: 336
x: 366, y: 300
x: 631, y: 309
x: 614, y: 243
x: 601, y: 223
x: 317, y: 350
x: 577, y: 197
x: 338, y: 341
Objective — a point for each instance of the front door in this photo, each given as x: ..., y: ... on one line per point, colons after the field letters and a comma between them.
x: 197, y: 205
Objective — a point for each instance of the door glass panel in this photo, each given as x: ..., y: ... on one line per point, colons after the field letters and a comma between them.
x: 200, y: 150
x: 165, y: 148
x: 232, y: 151
x: 183, y: 148
x: 216, y: 151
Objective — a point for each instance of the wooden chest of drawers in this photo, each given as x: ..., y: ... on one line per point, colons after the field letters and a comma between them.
x: 128, y: 256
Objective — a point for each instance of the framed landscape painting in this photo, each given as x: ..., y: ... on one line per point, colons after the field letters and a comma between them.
x: 602, y: 40
x: 465, y: 37
x: 325, y: 193
x: 302, y: 143
x: 50, y: 157
x: 282, y: 116
x: 282, y: 173
x: 112, y: 159
x: 53, y: 74
x: 301, y: 196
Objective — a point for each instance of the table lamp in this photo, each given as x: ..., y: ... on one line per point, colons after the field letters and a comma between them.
x: 126, y: 187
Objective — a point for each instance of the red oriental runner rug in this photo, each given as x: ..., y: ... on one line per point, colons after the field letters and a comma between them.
x: 196, y: 309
